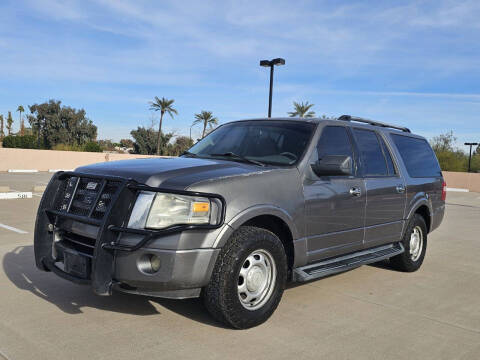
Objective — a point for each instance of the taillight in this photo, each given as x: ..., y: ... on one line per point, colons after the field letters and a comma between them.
x: 444, y: 190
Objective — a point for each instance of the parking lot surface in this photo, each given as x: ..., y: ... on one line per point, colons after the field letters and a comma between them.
x: 369, y: 313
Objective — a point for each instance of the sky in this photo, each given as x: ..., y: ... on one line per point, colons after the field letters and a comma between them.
x: 412, y: 63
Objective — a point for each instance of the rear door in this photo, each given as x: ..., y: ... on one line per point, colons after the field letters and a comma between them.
x: 335, y: 205
x: 385, y: 189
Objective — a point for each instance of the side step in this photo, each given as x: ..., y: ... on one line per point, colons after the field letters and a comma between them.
x: 346, y: 262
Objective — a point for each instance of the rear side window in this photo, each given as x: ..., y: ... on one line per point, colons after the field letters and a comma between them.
x: 418, y: 156
x: 373, y: 160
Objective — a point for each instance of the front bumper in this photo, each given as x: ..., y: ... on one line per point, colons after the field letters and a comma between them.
x: 182, y: 273
x: 86, y: 247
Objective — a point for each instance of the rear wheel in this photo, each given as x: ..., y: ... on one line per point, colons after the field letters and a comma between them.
x: 248, y: 278
x: 415, y: 244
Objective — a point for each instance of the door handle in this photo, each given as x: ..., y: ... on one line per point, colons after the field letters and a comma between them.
x: 355, y: 191
x: 400, y: 189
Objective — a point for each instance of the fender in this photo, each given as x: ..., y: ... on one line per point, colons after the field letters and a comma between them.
x: 419, y: 201
x: 250, y: 213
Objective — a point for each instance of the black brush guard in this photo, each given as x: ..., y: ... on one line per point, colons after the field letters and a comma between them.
x: 113, y: 223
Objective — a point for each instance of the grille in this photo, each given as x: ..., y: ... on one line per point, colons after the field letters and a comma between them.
x: 83, y: 245
x: 86, y: 197
x: 105, y: 199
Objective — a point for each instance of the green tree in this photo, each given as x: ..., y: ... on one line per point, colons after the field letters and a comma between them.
x: 2, y: 133
x: 106, y: 144
x: 9, y: 123
x: 302, y: 110
x: 164, y: 106
x: 476, y: 162
x: 55, y: 124
x: 444, y: 142
x: 205, y: 118
x: 20, y: 109
x: 449, y: 157
x: 181, y: 144
x: 92, y: 146
x: 126, y: 143
x: 146, y: 140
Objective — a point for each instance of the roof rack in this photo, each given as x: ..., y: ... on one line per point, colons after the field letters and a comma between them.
x: 372, y: 122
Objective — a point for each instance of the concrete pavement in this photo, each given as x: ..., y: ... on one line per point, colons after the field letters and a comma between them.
x: 368, y: 313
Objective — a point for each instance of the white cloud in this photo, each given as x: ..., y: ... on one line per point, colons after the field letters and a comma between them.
x: 203, y: 51
x: 58, y: 9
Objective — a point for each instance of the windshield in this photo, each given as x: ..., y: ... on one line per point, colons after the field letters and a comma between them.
x: 270, y: 142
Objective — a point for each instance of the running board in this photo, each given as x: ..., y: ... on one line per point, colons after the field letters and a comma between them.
x: 346, y: 262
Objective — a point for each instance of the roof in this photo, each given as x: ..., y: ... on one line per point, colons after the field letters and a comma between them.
x: 341, y: 119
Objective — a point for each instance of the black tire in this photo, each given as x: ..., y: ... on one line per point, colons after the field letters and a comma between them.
x: 405, y: 261
x: 221, y: 296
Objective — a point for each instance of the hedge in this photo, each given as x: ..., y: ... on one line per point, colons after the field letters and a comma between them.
x: 22, y: 142
x: 92, y: 147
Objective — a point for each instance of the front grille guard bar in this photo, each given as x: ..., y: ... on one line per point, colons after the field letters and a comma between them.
x: 147, y: 233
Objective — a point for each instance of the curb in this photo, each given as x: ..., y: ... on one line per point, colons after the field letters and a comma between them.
x: 22, y: 170
x: 16, y: 195
x: 457, y: 190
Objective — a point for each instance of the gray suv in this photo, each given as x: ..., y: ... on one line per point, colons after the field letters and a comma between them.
x: 251, y: 206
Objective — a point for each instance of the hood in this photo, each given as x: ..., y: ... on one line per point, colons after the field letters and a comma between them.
x: 174, y: 173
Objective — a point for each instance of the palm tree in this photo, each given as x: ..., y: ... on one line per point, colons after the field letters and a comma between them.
x: 164, y: 106
x: 20, y: 109
x: 205, y: 118
x: 2, y: 134
x: 302, y: 110
x: 9, y: 123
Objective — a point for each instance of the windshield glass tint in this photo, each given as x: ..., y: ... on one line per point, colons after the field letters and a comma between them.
x: 271, y: 142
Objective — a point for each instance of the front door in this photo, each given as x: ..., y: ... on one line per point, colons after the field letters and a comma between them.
x: 334, y: 205
x: 386, y: 194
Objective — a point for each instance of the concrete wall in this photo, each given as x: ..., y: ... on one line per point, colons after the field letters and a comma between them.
x: 462, y: 180
x: 44, y: 160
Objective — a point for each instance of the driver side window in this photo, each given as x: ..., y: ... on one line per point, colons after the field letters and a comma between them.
x: 334, y: 141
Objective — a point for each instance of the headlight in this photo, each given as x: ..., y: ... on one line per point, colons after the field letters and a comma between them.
x: 161, y: 210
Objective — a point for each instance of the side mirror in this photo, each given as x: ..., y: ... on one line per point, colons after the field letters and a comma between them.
x: 332, y: 165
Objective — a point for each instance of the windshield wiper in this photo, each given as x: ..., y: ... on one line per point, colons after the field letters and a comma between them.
x: 188, y: 153
x: 240, y: 157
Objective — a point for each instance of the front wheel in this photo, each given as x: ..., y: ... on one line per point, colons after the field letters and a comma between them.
x: 248, y: 278
x: 415, y: 243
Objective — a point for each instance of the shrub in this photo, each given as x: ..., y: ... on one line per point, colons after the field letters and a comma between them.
x: 67, y: 147
x: 92, y: 147
x: 27, y: 142
x: 22, y: 142
x: 9, y: 142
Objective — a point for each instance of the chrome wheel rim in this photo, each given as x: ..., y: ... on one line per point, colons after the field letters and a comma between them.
x: 416, y: 243
x: 256, y: 279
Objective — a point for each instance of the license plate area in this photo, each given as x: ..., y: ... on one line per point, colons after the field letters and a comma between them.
x: 76, y: 265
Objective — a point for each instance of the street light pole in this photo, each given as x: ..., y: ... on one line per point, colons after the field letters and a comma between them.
x: 271, y: 64
x: 470, y: 156
x: 270, y: 92
x: 191, y: 132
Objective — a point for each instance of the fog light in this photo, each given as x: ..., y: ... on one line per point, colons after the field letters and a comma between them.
x: 155, y: 263
x: 149, y: 264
